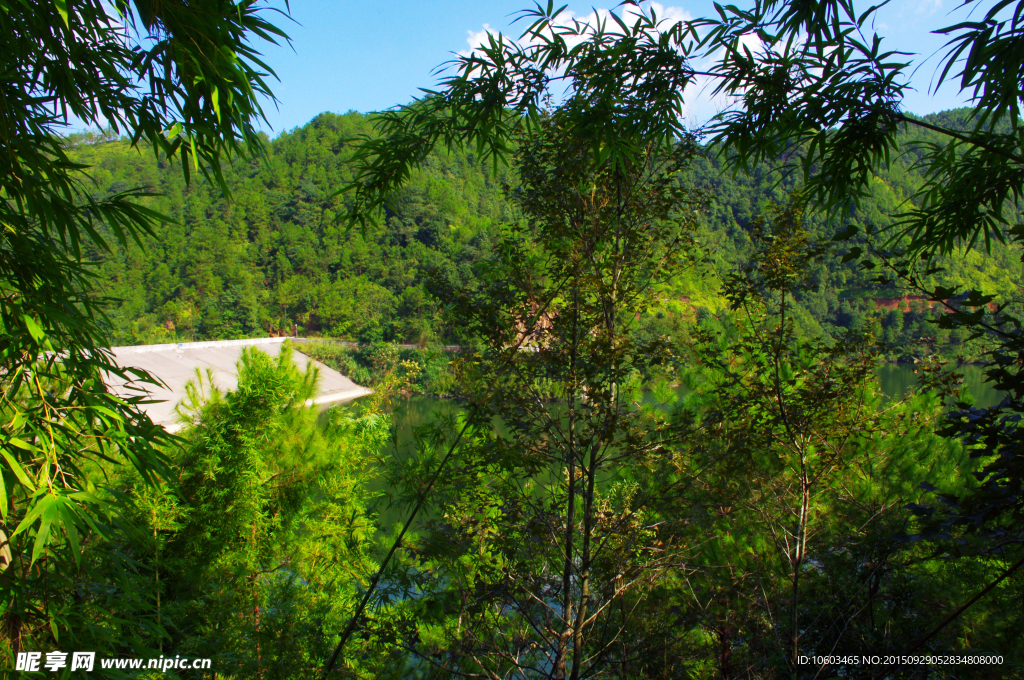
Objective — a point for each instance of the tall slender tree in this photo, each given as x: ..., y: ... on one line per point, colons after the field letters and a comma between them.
x: 552, y: 547
x: 809, y: 85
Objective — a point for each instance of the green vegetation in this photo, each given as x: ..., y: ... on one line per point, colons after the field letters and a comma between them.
x: 536, y: 571
x: 787, y: 438
x: 184, y: 80
x: 382, y: 364
x: 278, y: 253
x: 261, y: 537
x: 579, y: 517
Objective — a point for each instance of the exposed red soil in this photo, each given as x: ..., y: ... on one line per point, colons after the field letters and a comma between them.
x: 903, y: 303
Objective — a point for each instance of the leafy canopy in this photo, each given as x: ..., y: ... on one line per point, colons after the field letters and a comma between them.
x: 179, y: 77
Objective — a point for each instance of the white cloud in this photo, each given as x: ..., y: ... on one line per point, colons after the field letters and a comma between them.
x: 670, y: 15
x: 476, y: 39
x: 667, y: 16
x: 700, y: 104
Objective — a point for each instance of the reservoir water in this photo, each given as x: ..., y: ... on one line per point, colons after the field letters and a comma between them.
x: 896, y: 381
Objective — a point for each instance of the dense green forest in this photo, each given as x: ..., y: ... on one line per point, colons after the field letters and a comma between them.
x: 665, y: 451
x: 277, y: 253
x: 276, y: 521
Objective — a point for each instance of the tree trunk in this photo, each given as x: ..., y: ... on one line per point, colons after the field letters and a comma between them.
x: 570, y: 464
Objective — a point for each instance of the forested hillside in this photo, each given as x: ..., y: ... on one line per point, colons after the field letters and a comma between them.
x: 276, y: 253
x: 667, y: 449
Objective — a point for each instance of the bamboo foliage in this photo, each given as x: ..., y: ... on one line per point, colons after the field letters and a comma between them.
x: 184, y: 80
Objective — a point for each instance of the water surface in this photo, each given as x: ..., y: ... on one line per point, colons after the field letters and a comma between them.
x: 896, y: 381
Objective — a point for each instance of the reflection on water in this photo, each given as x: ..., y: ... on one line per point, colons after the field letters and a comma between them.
x: 409, y: 412
x: 897, y: 379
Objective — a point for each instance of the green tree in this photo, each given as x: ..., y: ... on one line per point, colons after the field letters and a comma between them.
x: 814, y: 83
x: 184, y: 80
x: 551, y: 548
x: 526, y: 527
x: 258, y: 543
x: 809, y: 90
x: 228, y: 256
x: 803, y: 474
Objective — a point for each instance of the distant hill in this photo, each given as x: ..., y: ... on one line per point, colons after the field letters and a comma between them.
x: 276, y: 254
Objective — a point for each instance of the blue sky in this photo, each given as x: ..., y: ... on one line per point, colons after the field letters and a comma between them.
x: 371, y: 56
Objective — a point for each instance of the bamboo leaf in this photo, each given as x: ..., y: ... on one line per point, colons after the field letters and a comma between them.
x: 15, y: 466
x: 33, y: 328
x: 62, y: 9
x: 50, y: 513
